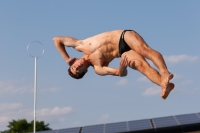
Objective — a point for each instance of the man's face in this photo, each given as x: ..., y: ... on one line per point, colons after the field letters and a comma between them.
x: 79, y: 66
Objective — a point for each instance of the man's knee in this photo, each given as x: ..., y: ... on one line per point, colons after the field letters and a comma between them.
x: 139, y: 65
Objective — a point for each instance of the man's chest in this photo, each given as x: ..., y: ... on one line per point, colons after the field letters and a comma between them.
x: 98, y: 59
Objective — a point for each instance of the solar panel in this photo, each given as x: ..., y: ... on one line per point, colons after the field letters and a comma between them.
x: 177, y: 124
x: 198, y: 114
x: 189, y: 122
x: 120, y: 127
x: 139, y: 125
x: 188, y: 119
x: 167, y: 125
x: 70, y: 130
x: 165, y: 122
x: 93, y: 129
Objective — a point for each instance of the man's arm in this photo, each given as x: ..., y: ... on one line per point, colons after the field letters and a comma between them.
x: 108, y: 71
x: 60, y: 43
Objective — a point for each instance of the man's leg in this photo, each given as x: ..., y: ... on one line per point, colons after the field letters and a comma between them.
x: 137, y: 43
x: 153, y: 75
x: 138, y: 62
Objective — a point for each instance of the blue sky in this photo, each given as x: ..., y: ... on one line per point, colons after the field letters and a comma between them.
x: 171, y: 27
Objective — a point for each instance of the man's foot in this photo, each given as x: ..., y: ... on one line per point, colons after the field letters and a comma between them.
x: 167, y: 90
x: 165, y: 77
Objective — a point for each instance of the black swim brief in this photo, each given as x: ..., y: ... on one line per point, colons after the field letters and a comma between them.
x: 123, y: 46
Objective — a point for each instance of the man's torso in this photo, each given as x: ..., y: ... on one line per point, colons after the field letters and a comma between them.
x: 102, y: 48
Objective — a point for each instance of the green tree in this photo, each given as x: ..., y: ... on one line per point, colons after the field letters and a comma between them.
x: 22, y: 126
x: 40, y: 126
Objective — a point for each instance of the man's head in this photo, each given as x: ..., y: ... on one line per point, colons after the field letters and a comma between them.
x: 78, y: 69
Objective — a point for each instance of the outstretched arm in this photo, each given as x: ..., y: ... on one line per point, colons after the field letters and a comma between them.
x: 108, y: 71
x: 60, y: 43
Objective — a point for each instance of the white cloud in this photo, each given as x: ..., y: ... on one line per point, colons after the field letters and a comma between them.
x: 177, y: 76
x: 15, y: 111
x: 12, y: 86
x: 180, y: 58
x: 20, y: 87
x: 143, y: 79
x: 122, y: 82
x: 61, y: 119
x: 186, y: 91
x: 151, y: 91
x: 10, y: 111
x: 54, y: 111
x: 186, y: 82
x: 76, y: 123
x: 4, y: 119
x: 4, y: 107
x: 50, y: 90
x: 195, y: 91
x: 105, y: 117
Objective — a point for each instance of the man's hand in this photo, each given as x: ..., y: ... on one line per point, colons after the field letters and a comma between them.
x: 70, y: 61
x: 123, y: 65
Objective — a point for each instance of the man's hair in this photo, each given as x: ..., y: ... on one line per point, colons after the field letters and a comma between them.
x: 76, y: 76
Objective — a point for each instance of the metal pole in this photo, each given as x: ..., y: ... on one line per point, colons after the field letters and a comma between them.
x: 35, y: 79
x: 35, y: 92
